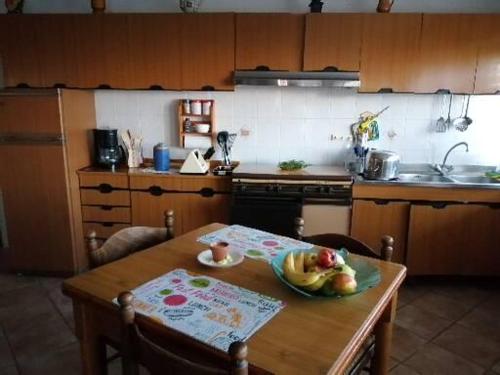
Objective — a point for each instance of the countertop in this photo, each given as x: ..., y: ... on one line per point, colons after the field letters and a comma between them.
x: 271, y: 171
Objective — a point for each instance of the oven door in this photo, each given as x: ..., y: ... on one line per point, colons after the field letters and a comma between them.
x: 271, y: 214
x: 326, y: 216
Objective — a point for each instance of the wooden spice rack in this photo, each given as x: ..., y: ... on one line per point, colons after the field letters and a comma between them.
x: 196, y: 119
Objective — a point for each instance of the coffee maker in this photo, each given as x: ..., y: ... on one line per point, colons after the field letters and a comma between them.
x: 107, y: 152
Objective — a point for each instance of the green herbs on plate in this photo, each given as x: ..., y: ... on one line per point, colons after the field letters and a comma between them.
x: 293, y: 165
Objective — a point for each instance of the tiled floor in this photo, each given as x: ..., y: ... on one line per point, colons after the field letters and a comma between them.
x: 441, y: 328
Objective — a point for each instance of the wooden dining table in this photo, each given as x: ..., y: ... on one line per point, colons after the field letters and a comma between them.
x: 309, y: 336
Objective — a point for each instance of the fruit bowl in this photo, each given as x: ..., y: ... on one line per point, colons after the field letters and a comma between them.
x: 367, y: 275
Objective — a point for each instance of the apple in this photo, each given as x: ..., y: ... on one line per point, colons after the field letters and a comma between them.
x: 343, y: 284
x: 326, y: 258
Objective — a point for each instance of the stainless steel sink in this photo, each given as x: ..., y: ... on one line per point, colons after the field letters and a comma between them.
x: 474, y: 180
x: 422, y: 178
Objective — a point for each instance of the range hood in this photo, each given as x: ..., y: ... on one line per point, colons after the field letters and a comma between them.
x: 296, y: 79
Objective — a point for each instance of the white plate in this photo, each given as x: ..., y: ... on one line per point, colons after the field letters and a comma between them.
x: 205, y: 257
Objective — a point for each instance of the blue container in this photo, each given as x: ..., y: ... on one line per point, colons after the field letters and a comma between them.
x: 161, y: 155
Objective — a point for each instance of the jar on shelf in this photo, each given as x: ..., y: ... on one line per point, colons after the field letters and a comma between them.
x: 196, y: 107
x: 188, y: 126
x: 186, y: 107
x: 206, y: 107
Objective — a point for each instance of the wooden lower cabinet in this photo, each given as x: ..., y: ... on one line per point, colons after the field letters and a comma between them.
x: 373, y: 219
x: 454, y: 239
x: 191, y: 210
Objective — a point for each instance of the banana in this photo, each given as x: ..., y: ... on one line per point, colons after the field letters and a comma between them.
x: 299, y: 262
x: 289, y: 263
x: 302, y: 278
x: 310, y: 260
x: 321, y: 281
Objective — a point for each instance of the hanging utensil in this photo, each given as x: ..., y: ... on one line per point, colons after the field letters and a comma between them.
x: 463, y: 122
x: 447, y: 123
x: 441, y: 123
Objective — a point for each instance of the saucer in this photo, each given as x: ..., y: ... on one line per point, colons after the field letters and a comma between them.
x: 205, y: 257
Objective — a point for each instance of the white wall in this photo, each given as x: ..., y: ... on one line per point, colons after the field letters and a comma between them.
x: 287, y: 123
x: 297, y: 6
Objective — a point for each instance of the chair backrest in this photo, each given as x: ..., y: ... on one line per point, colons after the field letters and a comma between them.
x: 336, y: 241
x: 128, y: 241
x: 159, y: 360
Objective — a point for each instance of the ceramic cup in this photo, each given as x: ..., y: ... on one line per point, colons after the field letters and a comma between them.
x: 219, y: 250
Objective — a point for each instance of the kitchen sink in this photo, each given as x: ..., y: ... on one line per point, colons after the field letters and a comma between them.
x: 474, y: 180
x: 420, y: 178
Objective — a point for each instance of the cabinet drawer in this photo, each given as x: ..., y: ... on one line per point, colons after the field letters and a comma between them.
x: 106, y: 180
x: 103, y: 230
x: 106, y: 214
x: 113, y: 198
x: 147, y: 182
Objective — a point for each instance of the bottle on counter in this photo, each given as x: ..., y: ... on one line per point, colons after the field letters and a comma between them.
x: 196, y: 107
x: 161, y: 156
x: 188, y: 126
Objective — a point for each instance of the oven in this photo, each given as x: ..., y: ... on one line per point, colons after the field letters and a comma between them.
x: 273, y: 205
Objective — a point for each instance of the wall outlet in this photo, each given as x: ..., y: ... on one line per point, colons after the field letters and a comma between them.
x: 244, y: 132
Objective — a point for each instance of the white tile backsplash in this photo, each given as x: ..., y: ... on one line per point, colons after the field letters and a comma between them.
x: 286, y: 123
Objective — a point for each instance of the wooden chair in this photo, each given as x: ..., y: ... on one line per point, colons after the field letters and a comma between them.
x: 336, y: 241
x: 363, y: 358
x: 158, y: 360
x: 128, y: 241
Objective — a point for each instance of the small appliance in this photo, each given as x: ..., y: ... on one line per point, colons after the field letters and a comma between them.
x: 107, y: 152
x: 381, y: 165
x: 194, y: 164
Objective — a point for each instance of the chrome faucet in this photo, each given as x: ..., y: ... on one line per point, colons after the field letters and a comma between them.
x: 443, y: 168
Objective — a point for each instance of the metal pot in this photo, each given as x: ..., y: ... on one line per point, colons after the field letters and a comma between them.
x: 381, y: 165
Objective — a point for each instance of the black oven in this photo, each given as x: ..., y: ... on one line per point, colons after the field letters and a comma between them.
x: 273, y: 207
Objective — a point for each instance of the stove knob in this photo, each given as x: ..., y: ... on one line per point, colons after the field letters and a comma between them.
x: 269, y: 188
x: 277, y: 188
x: 320, y: 189
x: 331, y: 190
x: 242, y: 188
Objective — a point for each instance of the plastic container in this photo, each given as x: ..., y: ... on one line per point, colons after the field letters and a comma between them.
x: 196, y: 107
x: 206, y: 107
x: 186, y: 107
x: 161, y: 156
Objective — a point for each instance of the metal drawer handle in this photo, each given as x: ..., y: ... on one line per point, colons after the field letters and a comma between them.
x: 105, y: 188
x: 155, y: 190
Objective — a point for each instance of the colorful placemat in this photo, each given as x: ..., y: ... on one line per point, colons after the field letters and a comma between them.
x: 254, y: 243
x: 209, y: 310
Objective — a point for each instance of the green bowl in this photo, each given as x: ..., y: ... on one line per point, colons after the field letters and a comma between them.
x: 367, y: 275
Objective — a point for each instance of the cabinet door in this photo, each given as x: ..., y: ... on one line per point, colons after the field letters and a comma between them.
x: 372, y: 220
x: 272, y: 40
x: 207, y: 51
x: 389, y: 50
x: 454, y: 240
x: 36, y: 209
x: 448, y: 53
x: 17, y: 50
x: 333, y: 40
x: 488, y: 60
x: 199, y: 211
x: 149, y: 210
x: 155, y: 47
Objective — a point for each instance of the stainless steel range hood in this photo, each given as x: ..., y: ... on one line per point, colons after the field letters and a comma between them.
x: 296, y: 79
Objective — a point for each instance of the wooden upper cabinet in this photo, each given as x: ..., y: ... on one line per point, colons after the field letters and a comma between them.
x: 488, y: 59
x: 448, y: 53
x: 389, y: 51
x: 272, y: 40
x: 17, y: 52
x: 207, y: 50
x: 333, y: 40
x: 154, y: 50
